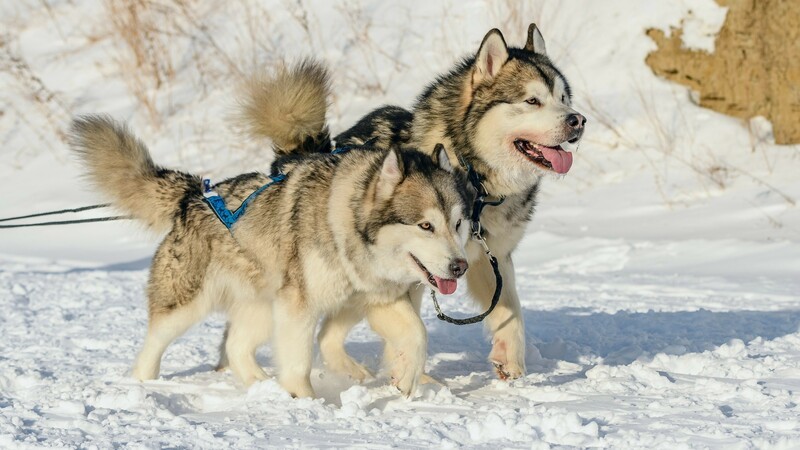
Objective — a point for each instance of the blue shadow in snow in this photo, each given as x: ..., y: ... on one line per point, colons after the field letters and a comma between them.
x: 575, y: 334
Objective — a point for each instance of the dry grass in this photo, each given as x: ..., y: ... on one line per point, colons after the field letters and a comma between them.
x: 48, y: 104
x: 375, y: 56
x: 676, y: 141
x: 143, y: 26
x: 161, y: 35
x: 514, y: 16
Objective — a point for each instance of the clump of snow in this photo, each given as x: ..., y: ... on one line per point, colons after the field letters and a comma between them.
x: 355, y: 401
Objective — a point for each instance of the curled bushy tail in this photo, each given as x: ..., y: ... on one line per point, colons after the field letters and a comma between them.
x: 119, y: 164
x: 289, y: 108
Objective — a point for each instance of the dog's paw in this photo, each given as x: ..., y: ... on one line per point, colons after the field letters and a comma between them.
x: 252, y: 377
x: 354, y: 370
x: 142, y: 373
x: 505, y: 367
x: 345, y: 365
x: 298, y: 389
x: 405, y: 376
x: 507, y: 372
x: 405, y: 384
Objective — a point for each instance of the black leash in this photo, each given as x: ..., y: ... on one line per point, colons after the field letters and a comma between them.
x: 477, y: 234
x: 61, y: 211
x: 62, y: 222
x: 498, y: 289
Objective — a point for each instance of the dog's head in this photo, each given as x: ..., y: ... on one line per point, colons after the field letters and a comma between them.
x: 520, y: 112
x: 418, y: 225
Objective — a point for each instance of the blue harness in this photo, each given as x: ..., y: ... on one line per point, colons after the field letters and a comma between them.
x: 217, y: 203
x: 227, y: 217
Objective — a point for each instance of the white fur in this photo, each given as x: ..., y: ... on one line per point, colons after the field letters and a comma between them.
x: 250, y: 319
x: 333, y: 332
x: 324, y: 280
x: 293, y: 343
x: 493, y: 138
x: 406, y: 341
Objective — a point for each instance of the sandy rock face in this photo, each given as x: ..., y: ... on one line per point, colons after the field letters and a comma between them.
x: 754, y: 70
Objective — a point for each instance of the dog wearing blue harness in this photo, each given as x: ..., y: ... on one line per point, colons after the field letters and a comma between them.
x: 355, y: 230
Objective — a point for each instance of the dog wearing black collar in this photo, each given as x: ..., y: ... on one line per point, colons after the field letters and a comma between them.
x: 507, y: 113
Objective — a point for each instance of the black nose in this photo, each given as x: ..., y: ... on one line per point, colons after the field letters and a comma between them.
x: 458, y: 267
x: 576, y: 121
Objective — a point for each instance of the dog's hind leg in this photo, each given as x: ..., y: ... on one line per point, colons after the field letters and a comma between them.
x: 293, y: 342
x: 406, y: 338
x: 331, y: 337
x: 179, y: 295
x: 249, y: 326
x: 164, y: 327
x: 242, y: 295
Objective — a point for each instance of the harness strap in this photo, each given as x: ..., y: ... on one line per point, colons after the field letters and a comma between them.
x: 227, y: 217
x: 347, y: 148
x: 217, y: 203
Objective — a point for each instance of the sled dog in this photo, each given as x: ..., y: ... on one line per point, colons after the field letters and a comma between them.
x: 352, y: 230
x: 507, y: 113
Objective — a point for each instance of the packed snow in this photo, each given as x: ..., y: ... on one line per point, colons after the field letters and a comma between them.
x: 659, y: 278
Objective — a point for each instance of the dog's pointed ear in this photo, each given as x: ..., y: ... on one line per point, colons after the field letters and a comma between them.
x: 535, y: 40
x: 391, y: 175
x: 441, y: 159
x: 492, y: 54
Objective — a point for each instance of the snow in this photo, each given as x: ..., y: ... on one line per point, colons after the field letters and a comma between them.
x: 701, y: 25
x: 658, y: 278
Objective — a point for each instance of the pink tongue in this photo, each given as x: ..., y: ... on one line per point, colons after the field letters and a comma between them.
x: 560, y: 160
x: 446, y: 286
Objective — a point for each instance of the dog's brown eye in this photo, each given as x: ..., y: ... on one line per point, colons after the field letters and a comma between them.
x: 458, y: 224
x: 426, y: 226
x: 533, y: 101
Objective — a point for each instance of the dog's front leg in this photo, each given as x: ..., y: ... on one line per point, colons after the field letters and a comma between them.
x: 400, y: 325
x: 332, y: 334
x: 505, y: 323
x: 293, y: 338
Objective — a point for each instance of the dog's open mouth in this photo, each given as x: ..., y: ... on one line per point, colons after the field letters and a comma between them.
x: 445, y: 286
x: 552, y: 158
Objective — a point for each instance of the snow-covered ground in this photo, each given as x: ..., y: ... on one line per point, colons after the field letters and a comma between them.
x: 659, y: 278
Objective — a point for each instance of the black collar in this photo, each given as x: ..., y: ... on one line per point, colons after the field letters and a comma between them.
x: 476, y: 180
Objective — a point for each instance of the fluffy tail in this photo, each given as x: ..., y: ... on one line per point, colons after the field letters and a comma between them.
x: 120, y: 166
x: 289, y: 108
